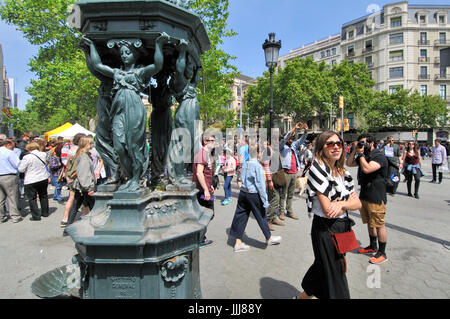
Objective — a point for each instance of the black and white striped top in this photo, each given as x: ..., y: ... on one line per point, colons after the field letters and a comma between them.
x: 321, y: 181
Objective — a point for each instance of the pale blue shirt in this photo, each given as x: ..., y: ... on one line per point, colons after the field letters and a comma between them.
x: 439, y: 154
x: 9, y: 161
x: 253, y: 181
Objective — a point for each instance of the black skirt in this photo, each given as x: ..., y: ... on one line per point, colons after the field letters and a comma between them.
x: 326, y: 278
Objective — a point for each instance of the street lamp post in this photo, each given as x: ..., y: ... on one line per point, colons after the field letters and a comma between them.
x: 271, y: 51
x: 330, y: 126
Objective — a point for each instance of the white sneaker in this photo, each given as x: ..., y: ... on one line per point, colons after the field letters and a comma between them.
x: 274, y: 240
x: 241, y: 248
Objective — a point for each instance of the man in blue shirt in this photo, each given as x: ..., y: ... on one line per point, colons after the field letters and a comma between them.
x: 290, y: 161
x: 243, y: 157
x: 252, y: 198
x: 9, y: 191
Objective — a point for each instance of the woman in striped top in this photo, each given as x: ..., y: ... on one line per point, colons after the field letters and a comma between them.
x: 330, y: 193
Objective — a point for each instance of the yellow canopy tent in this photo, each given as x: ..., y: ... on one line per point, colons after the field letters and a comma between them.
x: 57, y: 130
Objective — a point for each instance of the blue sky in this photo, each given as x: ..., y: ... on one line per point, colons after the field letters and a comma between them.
x: 295, y: 22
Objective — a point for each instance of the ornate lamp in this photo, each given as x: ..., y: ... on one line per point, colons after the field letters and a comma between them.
x: 271, y: 51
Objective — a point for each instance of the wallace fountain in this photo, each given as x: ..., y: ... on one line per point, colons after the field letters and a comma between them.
x: 140, y: 240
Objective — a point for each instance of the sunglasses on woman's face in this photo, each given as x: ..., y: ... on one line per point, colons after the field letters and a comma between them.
x: 339, y: 144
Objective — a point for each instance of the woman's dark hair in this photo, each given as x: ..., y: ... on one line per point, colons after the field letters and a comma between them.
x: 415, y: 147
x: 77, y: 138
x: 318, y: 151
x: 57, y: 149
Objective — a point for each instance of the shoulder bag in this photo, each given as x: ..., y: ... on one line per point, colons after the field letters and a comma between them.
x: 344, y: 242
x: 45, y: 165
x: 279, y: 177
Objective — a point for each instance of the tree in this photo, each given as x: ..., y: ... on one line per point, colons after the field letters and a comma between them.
x: 304, y: 89
x: 23, y: 120
x: 404, y: 109
x: 218, y: 72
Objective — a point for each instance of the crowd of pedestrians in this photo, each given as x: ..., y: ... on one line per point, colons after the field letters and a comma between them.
x: 29, y: 165
x: 32, y: 164
x: 331, y: 192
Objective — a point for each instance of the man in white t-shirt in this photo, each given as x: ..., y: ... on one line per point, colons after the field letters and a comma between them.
x: 99, y: 171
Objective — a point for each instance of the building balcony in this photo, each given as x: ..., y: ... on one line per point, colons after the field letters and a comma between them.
x: 423, y: 59
x: 442, y: 77
x: 396, y: 59
x: 350, y: 55
x: 424, y: 42
x: 442, y: 43
x: 425, y: 77
x: 367, y: 50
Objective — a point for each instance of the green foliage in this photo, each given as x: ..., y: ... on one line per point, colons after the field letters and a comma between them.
x: 405, y: 109
x: 305, y: 89
x: 23, y: 120
x: 218, y: 72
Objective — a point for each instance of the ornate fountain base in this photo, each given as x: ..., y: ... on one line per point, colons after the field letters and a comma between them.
x: 140, y: 248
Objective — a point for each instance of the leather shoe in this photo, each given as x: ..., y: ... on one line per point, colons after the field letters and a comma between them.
x: 291, y: 215
x: 34, y: 219
x: 277, y: 222
x: 271, y: 226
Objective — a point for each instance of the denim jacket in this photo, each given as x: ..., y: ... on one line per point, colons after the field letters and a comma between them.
x: 286, y: 153
x: 253, y: 181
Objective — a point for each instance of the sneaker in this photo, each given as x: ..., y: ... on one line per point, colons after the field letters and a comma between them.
x: 241, y: 248
x: 379, y: 258
x: 4, y: 219
x: 206, y: 242
x: 367, y: 250
x: 274, y: 240
x: 63, y: 224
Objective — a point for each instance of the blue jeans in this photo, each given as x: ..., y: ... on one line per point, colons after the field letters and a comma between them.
x: 227, y: 186
x: 58, y: 188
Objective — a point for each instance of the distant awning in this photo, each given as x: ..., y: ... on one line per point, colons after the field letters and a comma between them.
x: 57, y: 130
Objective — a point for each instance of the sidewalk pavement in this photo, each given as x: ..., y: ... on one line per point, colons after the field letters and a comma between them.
x: 418, y: 250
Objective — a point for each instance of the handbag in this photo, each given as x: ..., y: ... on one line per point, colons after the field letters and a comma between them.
x: 443, y: 168
x: 62, y: 176
x: 344, y: 242
x: 279, y: 177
